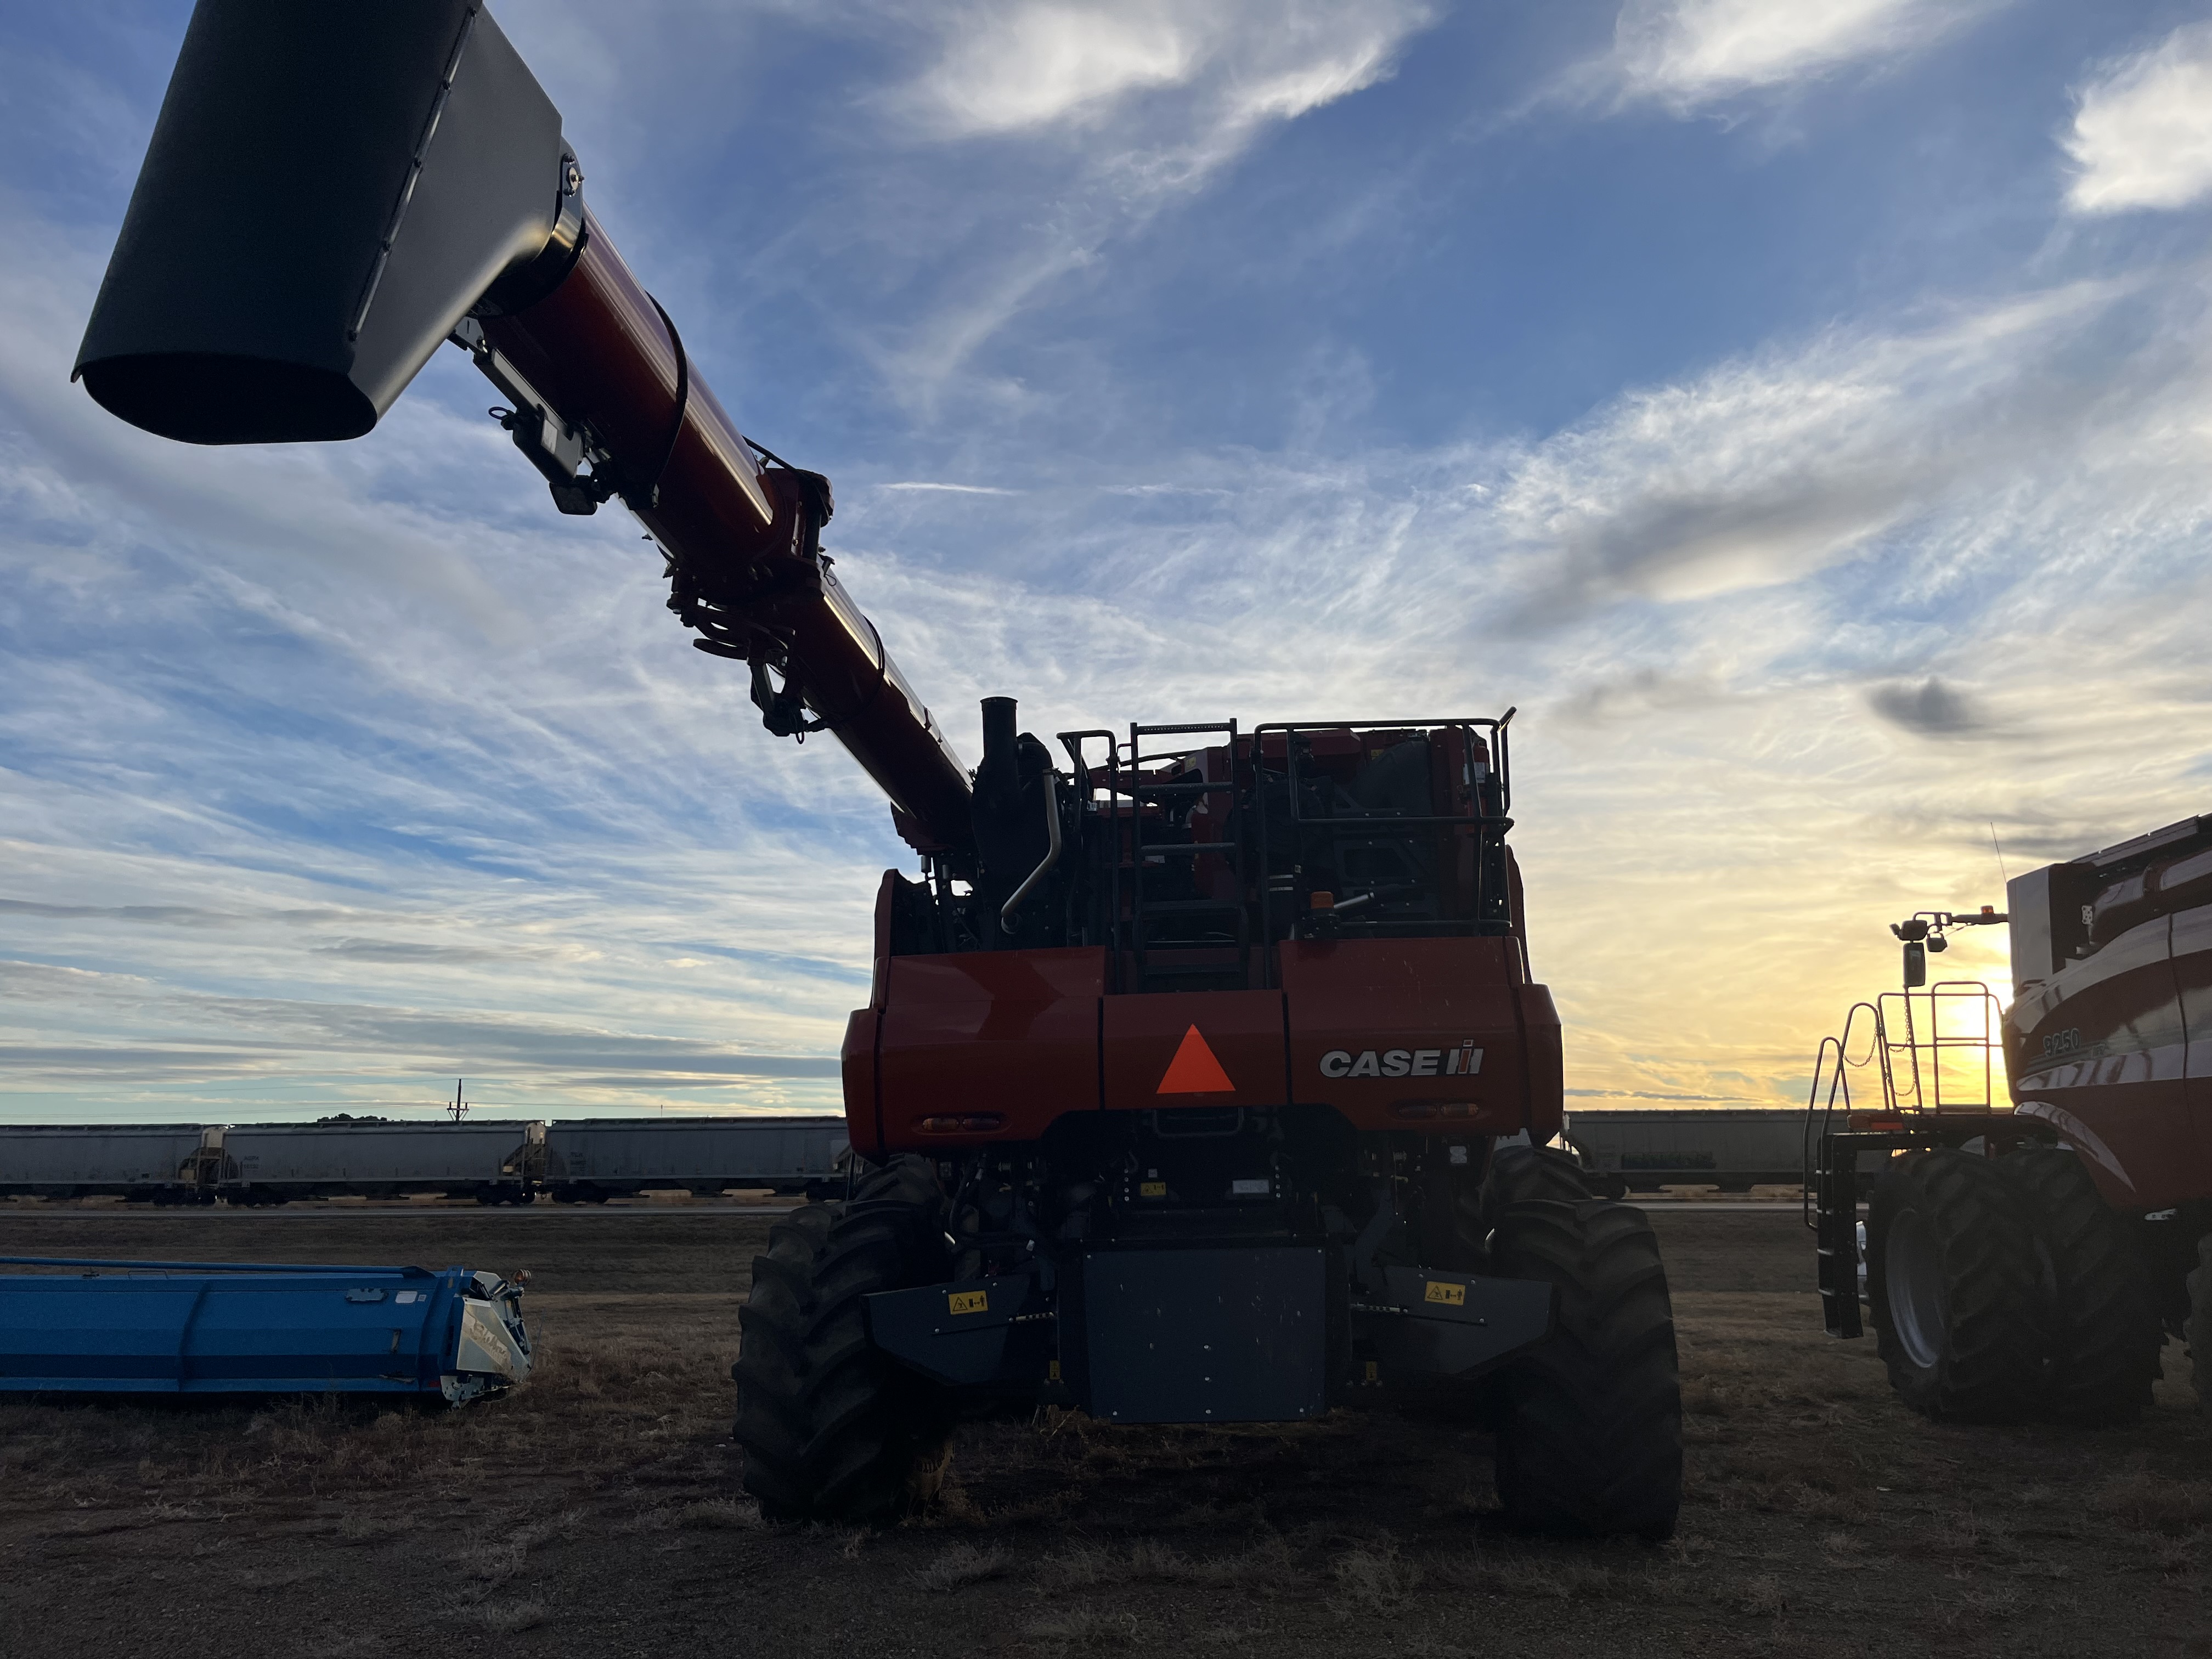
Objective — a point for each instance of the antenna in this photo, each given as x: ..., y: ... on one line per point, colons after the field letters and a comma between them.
x: 1999, y: 851
x: 459, y: 1109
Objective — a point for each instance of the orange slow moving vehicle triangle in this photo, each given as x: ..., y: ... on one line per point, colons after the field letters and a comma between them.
x: 1194, y: 1071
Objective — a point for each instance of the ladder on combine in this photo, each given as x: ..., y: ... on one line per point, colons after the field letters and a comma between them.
x: 1202, y: 928
x: 1927, y: 1072
x: 1164, y: 932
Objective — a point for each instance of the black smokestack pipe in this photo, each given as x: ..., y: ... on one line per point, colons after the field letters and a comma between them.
x: 1000, y: 738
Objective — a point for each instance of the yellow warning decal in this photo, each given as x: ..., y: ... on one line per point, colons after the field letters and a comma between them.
x: 1052, y: 1370
x: 1438, y: 1290
x: 1151, y: 1189
x: 963, y: 1302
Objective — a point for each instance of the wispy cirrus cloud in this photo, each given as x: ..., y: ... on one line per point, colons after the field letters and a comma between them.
x: 1687, y: 55
x: 1025, y: 66
x: 1113, y: 114
x: 1770, y: 469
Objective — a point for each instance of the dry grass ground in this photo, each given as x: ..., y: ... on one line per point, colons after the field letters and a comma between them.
x: 599, y: 1511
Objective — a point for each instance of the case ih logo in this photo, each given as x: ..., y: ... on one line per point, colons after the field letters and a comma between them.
x: 1462, y: 1062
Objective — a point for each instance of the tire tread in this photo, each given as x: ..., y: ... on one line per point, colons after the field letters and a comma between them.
x: 1589, y: 1436
x: 1990, y: 1368
x: 832, y: 1430
x: 2100, y: 1323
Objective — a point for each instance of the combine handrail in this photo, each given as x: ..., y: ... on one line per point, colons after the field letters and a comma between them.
x: 1923, y: 1091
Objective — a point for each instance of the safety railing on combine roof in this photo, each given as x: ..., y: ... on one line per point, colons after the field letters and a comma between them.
x: 1932, y: 1050
x: 1489, y: 787
x: 1922, y: 1057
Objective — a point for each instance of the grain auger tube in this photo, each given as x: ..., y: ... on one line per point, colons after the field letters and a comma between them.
x: 1203, y: 1077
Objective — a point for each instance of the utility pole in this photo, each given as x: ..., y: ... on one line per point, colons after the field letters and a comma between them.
x: 459, y: 1109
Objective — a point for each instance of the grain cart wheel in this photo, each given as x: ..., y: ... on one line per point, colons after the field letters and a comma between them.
x: 2197, y: 1329
x: 1589, y: 1425
x: 833, y: 1431
x: 2097, y: 1314
x: 1954, y: 1282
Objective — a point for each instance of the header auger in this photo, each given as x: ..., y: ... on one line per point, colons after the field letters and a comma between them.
x: 1203, y: 1077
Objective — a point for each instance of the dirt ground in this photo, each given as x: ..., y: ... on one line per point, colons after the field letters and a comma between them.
x: 599, y: 1511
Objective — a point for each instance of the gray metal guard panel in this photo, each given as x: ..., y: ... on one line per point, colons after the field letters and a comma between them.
x: 1206, y: 1336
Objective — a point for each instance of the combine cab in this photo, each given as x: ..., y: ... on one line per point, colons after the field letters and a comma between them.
x: 2043, y: 1215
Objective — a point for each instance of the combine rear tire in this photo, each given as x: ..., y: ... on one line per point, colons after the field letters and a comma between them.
x: 832, y: 1430
x: 2102, y: 1327
x: 2197, y: 1329
x: 1953, y: 1279
x: 1589, y: 1425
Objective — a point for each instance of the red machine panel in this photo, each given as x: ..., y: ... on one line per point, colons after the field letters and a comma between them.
x: 986, y: 1045
x: 856, y: 1065
x: 1429, y: 1034
x: 2100, y: 1053
x: 1210, y: 1049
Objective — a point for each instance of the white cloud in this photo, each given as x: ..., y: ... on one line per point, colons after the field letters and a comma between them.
x: 1023, y: 65
x: 1768, y: 470
x: 1032, y: 65
x: 1147, y: 102
x: 2142, y: 132
x: 1686, y: 54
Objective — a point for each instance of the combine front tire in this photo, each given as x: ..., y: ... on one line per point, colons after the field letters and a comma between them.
x: 833, y: 1431
x: 1953, y: 1279
x: 1589, y: 1425
x: 1519, y: 1173
x: 1460, y: 1205
x: 2097, y: 1314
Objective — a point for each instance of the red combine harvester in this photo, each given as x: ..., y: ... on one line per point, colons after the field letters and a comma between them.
x: 1203, y: 1079
x: 2026, y: 1257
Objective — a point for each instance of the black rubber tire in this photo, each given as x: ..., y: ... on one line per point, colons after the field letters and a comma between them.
x: 832, y: 1430
x: 2099, y: 1317
x: 1964, y: 1341
x: 1521, y: 1174
x: 2197, y: 1327
x: 1589, y: 1425
x: 1460, y: 1203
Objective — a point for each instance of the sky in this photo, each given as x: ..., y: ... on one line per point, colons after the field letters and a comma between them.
x: 1799, y: 411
